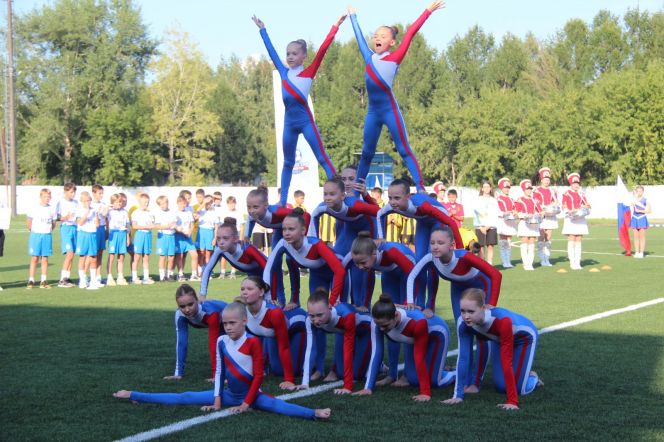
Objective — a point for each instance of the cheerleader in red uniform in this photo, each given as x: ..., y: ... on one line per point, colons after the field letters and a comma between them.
x: 507, y: 221
x: 576, y: 208
x: 548, y: 199
x: 530, y: 215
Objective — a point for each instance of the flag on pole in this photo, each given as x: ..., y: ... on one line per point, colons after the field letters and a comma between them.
x: 624, y: 215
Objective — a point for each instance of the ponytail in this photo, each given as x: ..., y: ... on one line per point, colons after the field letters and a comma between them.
x: 384, y: 308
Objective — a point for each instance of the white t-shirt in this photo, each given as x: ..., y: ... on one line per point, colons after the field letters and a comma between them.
x: 165, y: 217
x: 42, y: 218
x: 89, y: 219
x: 486, y: 212
x: 141, y: 217
x: 208, y: 219
x: 185, y: 218
x: 65, y: 208
x: 101, y: 209
x: 118, y: 219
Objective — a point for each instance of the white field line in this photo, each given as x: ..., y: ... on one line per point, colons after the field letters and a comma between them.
x: 607, y: 253
x: 182, y: 425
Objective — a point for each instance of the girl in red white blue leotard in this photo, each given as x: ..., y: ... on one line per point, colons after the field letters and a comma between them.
x: 426, y: 347
x: 191, y: 313
x: 325, y: 269
x: 395, y: 262
x: 352, y: 340
x: 298, y: 119
x: 381, y: 68
x: 513, y: 341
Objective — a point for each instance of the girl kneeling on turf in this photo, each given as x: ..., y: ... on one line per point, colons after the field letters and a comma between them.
x: 512, y: 340
x: 426, y: 347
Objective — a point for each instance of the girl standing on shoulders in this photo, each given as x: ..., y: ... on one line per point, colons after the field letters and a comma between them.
x: 298, y: 118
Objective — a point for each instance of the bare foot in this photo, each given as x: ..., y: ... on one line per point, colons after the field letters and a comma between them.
x: 331, y: 377
x: 387, y: 380
x: 122, y: 394
x: 315, y: 376
x: 323, y: 413
x: 471, y: 389
x: 402, y: 382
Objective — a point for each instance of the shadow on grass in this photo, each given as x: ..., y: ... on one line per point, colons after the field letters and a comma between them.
x: 60, y: 366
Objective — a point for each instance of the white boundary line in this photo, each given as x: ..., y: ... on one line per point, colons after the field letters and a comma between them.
x: 182, y: 425
x: 607, y: 253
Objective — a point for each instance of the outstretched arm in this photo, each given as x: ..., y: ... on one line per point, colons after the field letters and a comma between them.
x: 398, y: 55
x: 270, y: 48
x: 310, y: 71
x: 359, y: 36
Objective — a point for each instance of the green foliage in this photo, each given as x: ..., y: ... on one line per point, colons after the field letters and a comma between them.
x: 76, y: 58
x: 180, y: 114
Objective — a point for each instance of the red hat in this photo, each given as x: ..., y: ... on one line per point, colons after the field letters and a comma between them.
x: 438, y: 186
x: 503, y: 182
x: 526, y: 184
x: 573, y: 178
x: 544, y: 172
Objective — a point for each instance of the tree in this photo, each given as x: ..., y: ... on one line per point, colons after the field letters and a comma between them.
x: 182, y: 119
x: 75, y: 58
x: 467, y: 58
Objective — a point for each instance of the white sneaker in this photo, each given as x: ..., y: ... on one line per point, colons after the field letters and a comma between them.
x: 94, y: 286
x: 82, y: 285
x: 121, y: 281
x: 148, y: 281
x: 136, y: 281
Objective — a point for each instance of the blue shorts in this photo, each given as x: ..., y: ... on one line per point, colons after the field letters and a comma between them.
x: 165, y: 244
x: 101, y: 238
x: 117, y: 242
x: 204, y: 239
x: 40, y: 244
x: 67, y: 238
x: 86, y: 244
x: 183, y: 243
x: 143, y: 242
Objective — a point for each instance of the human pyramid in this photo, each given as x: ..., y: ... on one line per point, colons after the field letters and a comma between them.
x: 341, y: 278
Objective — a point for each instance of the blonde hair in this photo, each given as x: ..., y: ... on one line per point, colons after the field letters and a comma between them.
x: 363, y: 244
x: 474, y: 294
x: 161, y: 198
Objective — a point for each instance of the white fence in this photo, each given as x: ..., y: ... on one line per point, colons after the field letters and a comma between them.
x: 602, y: 198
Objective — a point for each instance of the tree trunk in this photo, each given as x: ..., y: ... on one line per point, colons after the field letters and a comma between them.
x: 171, y: 164
x: 66, y: 164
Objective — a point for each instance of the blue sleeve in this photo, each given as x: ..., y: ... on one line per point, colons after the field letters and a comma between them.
x: 314, y: 225
x: 361, y: 41
x: 464, y: 358
x: 273, y: 269
x: 381, y: 221
x: 220, y: 373
x: 376, y: 356
x: 214, y: 306
x: 248, y: 228
x: 414, y: 285
x: 205, y: 277
x: 273, y: 53
x: 181, y: 343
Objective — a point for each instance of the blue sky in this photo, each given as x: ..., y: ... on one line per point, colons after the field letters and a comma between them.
x: 223, y: 28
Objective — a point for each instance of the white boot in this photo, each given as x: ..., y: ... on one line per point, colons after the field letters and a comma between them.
x: 508, y: 253
x: 525, y: 259
x: 540, y: 253
x: 505, y: 253
x: 570, y: 255
x: 547, y: 253
x: 577, y: 254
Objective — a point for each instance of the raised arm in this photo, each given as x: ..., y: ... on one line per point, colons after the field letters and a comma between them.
x: 359, y: 36
x: 438, y: 213
x: 310, y: 71
x: 274, y: 56
x: 398, y: 55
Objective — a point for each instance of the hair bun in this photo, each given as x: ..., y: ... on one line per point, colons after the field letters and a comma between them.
x: 364, y: 234
x: 298, y: 211
x: 231, y: 221
x: 385, y: 297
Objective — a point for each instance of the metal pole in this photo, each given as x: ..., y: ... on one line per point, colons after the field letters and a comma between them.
x: 11, y: 107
